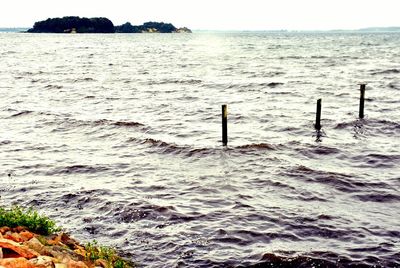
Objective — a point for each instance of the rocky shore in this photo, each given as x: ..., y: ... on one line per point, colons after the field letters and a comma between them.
x: 21, y: 248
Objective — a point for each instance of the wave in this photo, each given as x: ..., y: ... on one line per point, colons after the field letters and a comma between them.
x: 371, y: 126
x: 65, y: 124
x: 340, y: 181
x: 53, y: 87
x: 86, y: 79
x: 170, y: 148
x: 380, y: 197
x: 388, y: 71
x: 256, y: 85
x: 394, y: 85
x: 377, y: 160
x: 317, y: 150
x: 255, y: 146
x: 21, y: 113
x: 189, y: 151
x: 174, y: 81
x: 77, y: 169
x: 274, y: 84
x: 5, y: 142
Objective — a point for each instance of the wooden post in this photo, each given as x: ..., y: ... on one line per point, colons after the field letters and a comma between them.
x: 362, y: 99
x: 318, y: 118
x: 224, y: 125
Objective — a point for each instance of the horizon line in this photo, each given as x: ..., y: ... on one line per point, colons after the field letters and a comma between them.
x: 372, y: 28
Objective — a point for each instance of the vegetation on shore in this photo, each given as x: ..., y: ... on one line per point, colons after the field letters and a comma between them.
x: 28, y: 239
x: 73, y: 24
x: 28, y: 218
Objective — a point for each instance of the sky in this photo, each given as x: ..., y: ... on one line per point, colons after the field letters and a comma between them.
x: 214, y: 14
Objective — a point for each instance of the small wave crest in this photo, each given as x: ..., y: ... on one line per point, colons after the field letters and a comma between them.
x: 53, y: 87
x: 189, y: 151
x: 175, y: 81
x: 77, y: 169
x: 5, y: 142
x: 22, y: 113
x: 394, y: 85
x: 371, y: 126
x: 380, y: 197
x: 388, y: 71
x: 254, y: 147
x: 65, y: 124
x: 170, y: 148
x: 256, y: 85
x: 342, y: 182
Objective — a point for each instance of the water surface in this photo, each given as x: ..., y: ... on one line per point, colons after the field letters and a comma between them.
x: 117, y: 137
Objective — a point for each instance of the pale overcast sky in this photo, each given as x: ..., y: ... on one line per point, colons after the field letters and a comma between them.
x: 214, y: 14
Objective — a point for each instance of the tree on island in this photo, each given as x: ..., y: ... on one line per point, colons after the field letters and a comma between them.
x: 147, y: 27
x: 100, y: 25
x: 73, y: 24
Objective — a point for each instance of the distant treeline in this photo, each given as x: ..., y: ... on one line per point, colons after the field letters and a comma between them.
x: 100, y: 25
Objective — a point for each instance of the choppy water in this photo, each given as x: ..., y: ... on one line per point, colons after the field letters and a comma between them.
x: 117, y: 137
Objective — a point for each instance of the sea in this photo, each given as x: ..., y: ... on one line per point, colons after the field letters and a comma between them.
x: 117, y: 137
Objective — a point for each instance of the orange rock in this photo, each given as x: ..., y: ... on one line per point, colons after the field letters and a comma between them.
x: 22, y: 250
x: 37, y: 246
x: 64, y: 254
x: 43, y: 262
x: 76, y: 264
x: 54, y: 239
x: 80, y: 250
x: 70, y: 242
x: 14, y: 237
x: 101, y: 263
x: 4, y: 229
x: 26, y: 235
x: 19, y: 229
x: 16, y: 263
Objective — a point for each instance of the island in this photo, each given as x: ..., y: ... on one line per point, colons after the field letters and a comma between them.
x: 74, y: 24
x: 150, y: 27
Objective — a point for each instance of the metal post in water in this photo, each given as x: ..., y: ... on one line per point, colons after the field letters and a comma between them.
x: 224, y: 125
x: 318, y: 118
x: 362, y: 99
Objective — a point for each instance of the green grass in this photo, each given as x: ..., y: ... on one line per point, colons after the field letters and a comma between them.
x: 28, y: 218
x: 95, y: 252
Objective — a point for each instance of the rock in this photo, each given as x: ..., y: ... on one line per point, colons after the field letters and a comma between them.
x: 19, y: 229
x: 26, y: 235
x: 43, y: 262
x: 16, y: 263
x: 183, y: 30
x: 16, y: 237
x: 54, y: 239
x: 37, y: 246
x: 22, y: 250
x: 80, y: 250
x: 63, y: 239
x: 76, y: 264
x: 65, y: 254
x: 4, y: 229
x: 102, y: 263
